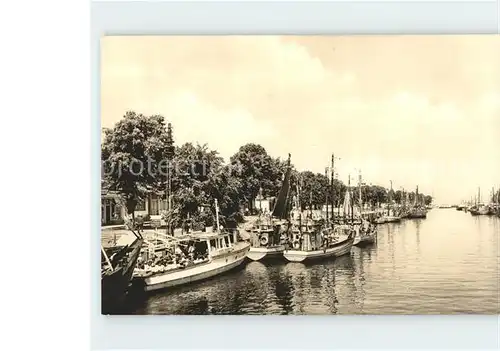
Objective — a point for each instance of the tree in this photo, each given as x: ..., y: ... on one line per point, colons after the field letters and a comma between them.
x: 131, y: 154
x: 256, y: 169
x: 195, y: 168
x: 313, y: 189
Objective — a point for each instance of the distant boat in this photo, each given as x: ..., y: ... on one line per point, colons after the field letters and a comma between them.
x: 391, y: 216
x: 419, y: 210
x: 365, y: 232
x: 480, y: 210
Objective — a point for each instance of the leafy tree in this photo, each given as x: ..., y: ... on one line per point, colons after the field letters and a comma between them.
x: 256, y: 169
x: 131, y: 153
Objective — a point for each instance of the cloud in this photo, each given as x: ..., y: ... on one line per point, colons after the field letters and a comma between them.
x: 417, y: 110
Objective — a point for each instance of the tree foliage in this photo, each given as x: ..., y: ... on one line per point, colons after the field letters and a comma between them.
x: 135, y: 143
x: 199, y: 175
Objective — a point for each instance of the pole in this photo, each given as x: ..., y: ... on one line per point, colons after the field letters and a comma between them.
x: 332, y: 189
x: 360, y: 196
x: 326, y: 192
x: 217, y: 215
x: 106, y: 258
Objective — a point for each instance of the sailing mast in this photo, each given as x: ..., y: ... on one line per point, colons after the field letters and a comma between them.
x: 217, y: 215
x: 326, y: 195
x: 169, y: 152
x: 390, y: 201
x: 360, y: 196
x: 332, y: 172
x: 352, y: 202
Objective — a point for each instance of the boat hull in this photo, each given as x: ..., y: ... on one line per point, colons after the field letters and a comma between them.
x: 262, y: 253
x: 340, y: 249
x: 191, y: 274
x: 364, y: 241
x: 114, y: 286
x: 388, y: 219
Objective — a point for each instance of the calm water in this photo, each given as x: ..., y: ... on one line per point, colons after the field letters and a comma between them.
x: 447, y: 263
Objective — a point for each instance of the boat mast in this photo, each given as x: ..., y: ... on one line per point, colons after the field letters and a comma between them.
x: 169, y: 153
x: 332, y: 172
x: 298, y: 206
x: 311, y: 203
x: 351, y: 198
x: 390, y: 200
x: 326, y: 194
x: 360, y: 195
x: 217, y: 215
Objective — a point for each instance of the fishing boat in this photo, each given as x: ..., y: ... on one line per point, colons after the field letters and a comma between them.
x: 313, y: 240
x: 267, y: 240
x: 365, y: 233
x: 192, y: 257
x: 479, y: 208
x: 310, y: 243
x: 419, y: 209
x: 117, y: 267
x: 391, y: 216
x: 268, y: 235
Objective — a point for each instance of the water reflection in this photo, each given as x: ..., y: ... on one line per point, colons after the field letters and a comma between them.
x: 447, y: 263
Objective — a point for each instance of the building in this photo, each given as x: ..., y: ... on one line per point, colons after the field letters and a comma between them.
x: 113, y: 209
x: 264, y: 204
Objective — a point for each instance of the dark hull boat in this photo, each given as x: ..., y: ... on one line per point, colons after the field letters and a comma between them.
x: 115, y: 280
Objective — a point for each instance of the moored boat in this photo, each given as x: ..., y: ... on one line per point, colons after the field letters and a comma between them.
x: 388, y: 219
x: 266, y: 241
x: 365, y: 232
x: 418, y: 210
x: 317, y: 245
x: 267, y: 235
x: 116, y: 274
x: 191, y: 258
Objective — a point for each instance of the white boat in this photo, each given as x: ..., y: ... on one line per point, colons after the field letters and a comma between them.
x: 388, y: 219
x: 266, y: 241
x: 193, y: 257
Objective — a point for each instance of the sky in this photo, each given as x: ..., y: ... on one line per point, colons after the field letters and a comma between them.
x: 414, y: 110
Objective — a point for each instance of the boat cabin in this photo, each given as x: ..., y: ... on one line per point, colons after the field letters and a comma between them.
x: 166, y: 253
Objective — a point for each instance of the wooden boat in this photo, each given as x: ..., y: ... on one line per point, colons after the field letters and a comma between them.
x: 311, y: 244
x: 268, y: 235
x: 266, y: 242
x: 116, y: 274
x: 365, y: 233
x: 317, y: 239
x: 419, y: 210
x: 391, y: 216
x: 480, y: 210
x: 193, y: 257
x: 388, y: 219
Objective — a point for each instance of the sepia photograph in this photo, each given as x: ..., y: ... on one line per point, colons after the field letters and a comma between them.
x: 300, y: 175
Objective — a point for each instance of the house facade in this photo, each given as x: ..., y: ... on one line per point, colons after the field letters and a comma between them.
x: 113, y: 210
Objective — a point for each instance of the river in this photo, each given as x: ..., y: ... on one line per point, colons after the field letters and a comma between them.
x: 447, y: 263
